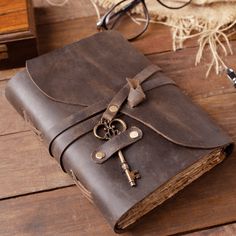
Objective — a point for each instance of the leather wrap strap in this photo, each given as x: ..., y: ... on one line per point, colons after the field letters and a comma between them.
x: 66, y: 132
x: 73, y: 120
x: 97, y: 107
x: 62, y: 142
x: 117, y: 101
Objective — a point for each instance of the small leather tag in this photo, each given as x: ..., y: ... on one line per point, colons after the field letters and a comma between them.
x: 118, y: 142
x: 136, y: 93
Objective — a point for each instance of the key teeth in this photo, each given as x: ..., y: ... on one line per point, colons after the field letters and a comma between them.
x: 132, y: 184
x: 136, y: 174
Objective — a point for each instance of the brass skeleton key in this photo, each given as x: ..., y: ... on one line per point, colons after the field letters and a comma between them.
x: 105, y: 130
x: 131, y: 175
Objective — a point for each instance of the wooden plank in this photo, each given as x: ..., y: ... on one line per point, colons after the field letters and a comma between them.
x: 158, y: 37
x: 46, y: 13
x: 180, y: 67
x: 59, y: 212
x: 225, y: 230
x: 11, y: 121
x: 13, y: 16
x: 8, y: 73
x: 59, y: 34
x: 27, y: 167
x: 222, y: 109
x: 14, y: 22
x: 13, y: 7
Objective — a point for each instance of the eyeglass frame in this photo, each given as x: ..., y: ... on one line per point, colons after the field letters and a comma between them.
x: 101, y: 23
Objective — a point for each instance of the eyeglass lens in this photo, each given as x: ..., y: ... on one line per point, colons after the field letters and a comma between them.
x: 125, y: 19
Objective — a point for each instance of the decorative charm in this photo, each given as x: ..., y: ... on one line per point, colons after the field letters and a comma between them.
x: 105, y: 130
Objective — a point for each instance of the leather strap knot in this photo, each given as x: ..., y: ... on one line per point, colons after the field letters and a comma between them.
x: 136, y: 94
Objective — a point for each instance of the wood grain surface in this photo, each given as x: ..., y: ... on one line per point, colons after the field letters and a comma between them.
x: 13, y: 16
x: 229, y: 229
x: 26, y: 166
x: 39, y: 199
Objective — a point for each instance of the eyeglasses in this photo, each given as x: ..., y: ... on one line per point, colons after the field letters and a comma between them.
x: 131, y: 17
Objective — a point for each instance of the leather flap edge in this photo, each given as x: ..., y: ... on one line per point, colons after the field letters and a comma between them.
x: 85, y: 71
x: 174, y: 116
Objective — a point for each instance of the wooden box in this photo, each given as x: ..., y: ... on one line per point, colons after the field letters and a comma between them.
x: 17, y: 32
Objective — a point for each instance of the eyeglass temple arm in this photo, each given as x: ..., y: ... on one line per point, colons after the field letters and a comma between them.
x: 174, y: 8
x: 126, y: 8
x: 231, y: 75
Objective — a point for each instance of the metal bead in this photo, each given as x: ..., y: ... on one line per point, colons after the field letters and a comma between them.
x: 113, y: 108
x: 134, y: 134
x: 100, y: 155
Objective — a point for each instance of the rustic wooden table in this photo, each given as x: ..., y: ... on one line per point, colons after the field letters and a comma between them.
x: 38, y: 199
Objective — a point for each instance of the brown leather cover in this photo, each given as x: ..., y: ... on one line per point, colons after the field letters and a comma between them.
x: 64, y: 93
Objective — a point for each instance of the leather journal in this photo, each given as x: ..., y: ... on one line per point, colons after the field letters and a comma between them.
x: 117, y: 124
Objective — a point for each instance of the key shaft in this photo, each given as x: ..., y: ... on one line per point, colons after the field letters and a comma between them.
x: 124, y: 165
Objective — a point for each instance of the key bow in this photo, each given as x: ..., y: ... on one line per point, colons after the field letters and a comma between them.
x: 105, y: 129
